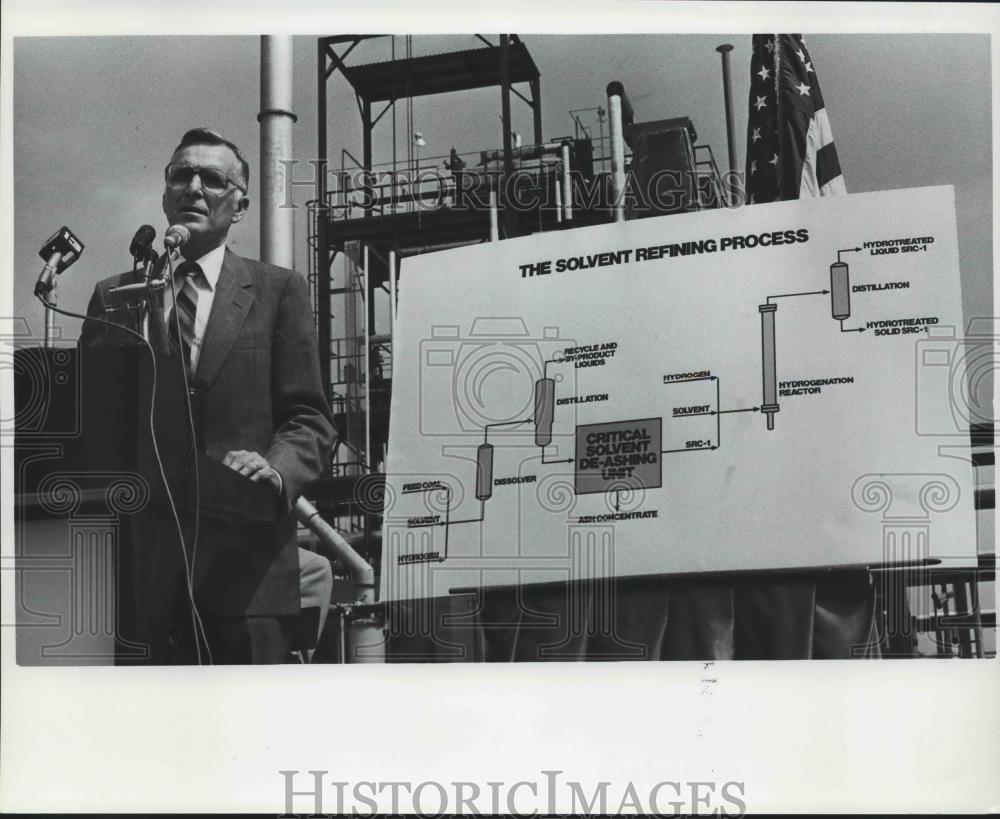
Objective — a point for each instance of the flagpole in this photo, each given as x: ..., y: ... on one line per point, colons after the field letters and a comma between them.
x: 727, y: 94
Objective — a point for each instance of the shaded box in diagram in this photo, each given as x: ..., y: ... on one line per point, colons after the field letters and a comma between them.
x: 618, y: 454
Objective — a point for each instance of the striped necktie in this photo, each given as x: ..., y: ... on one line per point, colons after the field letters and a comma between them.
x: 184, y: 311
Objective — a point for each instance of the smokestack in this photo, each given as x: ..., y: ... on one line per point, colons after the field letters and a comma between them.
x: 277, y: 226
x: 619, y: 115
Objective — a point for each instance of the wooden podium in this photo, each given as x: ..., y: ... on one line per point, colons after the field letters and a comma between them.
x: 86, y: 458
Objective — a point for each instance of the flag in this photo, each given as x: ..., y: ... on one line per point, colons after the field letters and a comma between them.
x: 790, y: 150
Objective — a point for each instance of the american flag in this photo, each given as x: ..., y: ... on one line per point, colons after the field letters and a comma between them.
x: 790, y: 150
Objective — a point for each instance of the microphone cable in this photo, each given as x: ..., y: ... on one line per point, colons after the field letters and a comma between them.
x: 191, y: 427
x: 196, y: 621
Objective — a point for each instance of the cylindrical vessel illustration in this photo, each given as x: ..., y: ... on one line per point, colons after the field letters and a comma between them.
x: 840, y: 290
x: 484, y: 472
x: 545, y: 399
x: 770, y: 405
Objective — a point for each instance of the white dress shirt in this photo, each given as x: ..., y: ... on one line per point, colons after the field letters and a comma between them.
x: 211, y: 267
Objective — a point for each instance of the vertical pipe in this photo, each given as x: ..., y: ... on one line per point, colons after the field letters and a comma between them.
x: 600, y: 141
x: 392, y: 319
x: 494, y: 227
x: 367, y: 639
x: 567, y: 184
x: 559, y: 203
x: 277, y: 239
x: 976, y: 611
x: 323, y: 311
x: 348, y: 356
x: 395, y: 175
x: 727, y: 95
x: 346, y: 188
x: 962, y: 610
x: 543, y: 187
x: 392, y: 297
x: 342, y: 634
x: 770, y: 405
x: 366, y: 156
x: 616, y: 136
x: 366, y: 353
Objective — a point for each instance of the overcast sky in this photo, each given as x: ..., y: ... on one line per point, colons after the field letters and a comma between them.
x: 95, y: 120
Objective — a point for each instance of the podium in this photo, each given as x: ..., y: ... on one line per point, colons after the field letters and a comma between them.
x: 103, y: 500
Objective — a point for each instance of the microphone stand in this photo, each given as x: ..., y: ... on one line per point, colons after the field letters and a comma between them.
x: 144, y: 305
x: 148, y: 289
x: 50, y: 316
x: 45, y: 288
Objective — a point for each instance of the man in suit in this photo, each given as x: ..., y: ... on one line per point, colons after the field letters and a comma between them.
x: 244, y: 331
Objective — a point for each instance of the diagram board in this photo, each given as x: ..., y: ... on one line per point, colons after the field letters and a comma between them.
x: 750, y: 389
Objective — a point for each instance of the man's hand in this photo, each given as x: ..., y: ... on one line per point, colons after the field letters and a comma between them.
x: 253, y: 466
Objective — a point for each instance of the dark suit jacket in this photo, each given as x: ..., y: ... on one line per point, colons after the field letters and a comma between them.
x: 259, y: 372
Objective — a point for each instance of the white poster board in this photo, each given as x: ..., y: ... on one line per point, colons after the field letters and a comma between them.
x: 772, y: 387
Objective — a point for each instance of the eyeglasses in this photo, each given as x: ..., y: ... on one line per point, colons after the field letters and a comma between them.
x: 213, y: 180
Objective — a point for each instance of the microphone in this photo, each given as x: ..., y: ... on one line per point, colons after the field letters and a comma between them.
x: 60, y: 251
x: 142, y: 251
x: 142, y: 243
x: 176, y: 237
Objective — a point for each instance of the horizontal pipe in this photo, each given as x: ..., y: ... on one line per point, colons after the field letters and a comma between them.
x: 524, y: 152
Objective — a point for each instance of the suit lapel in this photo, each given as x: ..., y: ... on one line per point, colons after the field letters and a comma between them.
x: 233, y: 298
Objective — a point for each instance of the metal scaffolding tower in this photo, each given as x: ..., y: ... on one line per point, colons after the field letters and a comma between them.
x: 367, y: 216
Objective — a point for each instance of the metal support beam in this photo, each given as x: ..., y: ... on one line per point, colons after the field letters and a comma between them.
x: 508, y: 159
x: 520, y: 96
x: 382, y: 113
x: 323, y: 261
x: 536, y: 105
x: 336, y: 60
x: 366, y: 148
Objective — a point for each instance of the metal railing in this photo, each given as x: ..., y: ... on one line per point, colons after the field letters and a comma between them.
x: 425, y: 184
